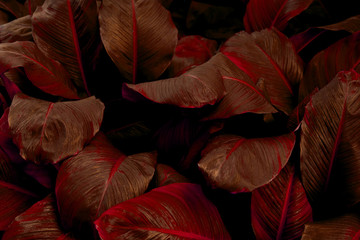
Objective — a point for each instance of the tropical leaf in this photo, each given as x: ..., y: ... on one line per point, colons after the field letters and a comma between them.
x: 47, y: 132
x: 16, y: 30
x: 343, y: 55
x: 98, y: 178
x: 176, y: 211
x: 261, y: 14
x: 270, y: 61
x: 200, y: 86
x: 237, y: 164
x: 67, y: 31
x: 330, y: 163
x: 280, y: 209
x: 165, y: 175
x: 13, y: 7
x: 139, y: 36
x: 43, y: 72
x: 346, y: 227
x: 32, y: 5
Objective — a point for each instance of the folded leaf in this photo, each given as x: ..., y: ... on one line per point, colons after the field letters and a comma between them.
x: 98, y: 178
x: 165, y: 175
x: 343, y: 55
x: 191, y: 51
x: 346, y: 227
x: 176, y: 211
x: 280, y: 209
x: 43, y: 72
x: 16, y: 30
x: 269, y: 59
x: 261, y: 14
x: 200, y: 86
x: 242, y: 94
x: 37, y: 222
x: 139, y: 36
x: 47, y: 132
x: 330, y: 162
x: 66, y: 30
x: 237, y: 164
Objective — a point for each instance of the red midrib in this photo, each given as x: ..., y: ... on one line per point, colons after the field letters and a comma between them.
x: 8, y: 9
x: 17, y: 189
x: 278, y: 13
x: 244, y: 83
x: 135, y: 43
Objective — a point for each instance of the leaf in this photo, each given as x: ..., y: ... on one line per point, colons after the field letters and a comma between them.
x: 280, y: 209
x: 98, y: 178
x: 47, y: 132
x: 32, y: 5
x: 67, y: 30
x: 13, y: 7
x: 329, y: 158
x: 16, y: 30
x: 343, y: 55
x: 269, y: 59
x: 37, y: 222
x: 165, y: 175
x: 43, y: 72
x: 200, y: 86
x: 242, y: 94
x: 176, y: 211
x: 191, y: 51
x: 237, y: 164
x: 345, y: 227
x: 139, y: 36
x: 261, y: 14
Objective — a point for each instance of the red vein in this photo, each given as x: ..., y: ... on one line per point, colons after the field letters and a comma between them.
x: 245, y: 83
x: 135, y: 53
x: 356, y: 236
x: 77, y: 46
x: 51, y: 105
x: 111, y: 175
x: 278, y: 13
x: 309, y: 41
x: 16, y: 188
x: 29, y: 6
x: 8, y: 9
x: 285, y: 208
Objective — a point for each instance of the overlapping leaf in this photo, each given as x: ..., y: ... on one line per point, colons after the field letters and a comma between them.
x: 139, y: 36
x: 13, y: 7
x: 16, y: 30
x: 200, y: 86
x: 280, y: 209
x: 43, y: 72
x: 237, y: 164
x: 270, y: 61
x: 98, y: 178
x: 165, y: 175
x: 48, y: 132
x: 176, y: 211
x: 330, y: 160
x: 67, y: 30
x: 261, y: 14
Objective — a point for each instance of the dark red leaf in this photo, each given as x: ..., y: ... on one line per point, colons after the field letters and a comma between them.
x: 11, y: 88
x: 43, y: 72
x: 67, y: 30
x: 98, y: 178
x: 47, y: 132
x: 191, y: 51
x: 13, y: 7
x: 200, y: 86
x: 165, y: 175
x: 261, y: 14
x: 346, y: 227
x: 16, y: 30
x: 237, y: 164
x: 280, y: 209
x: 31, y: 5
x: 270, y: 61
x: 176, y: 211
x: 329, y: 138
x: 139, y: 36
x: 344, y: 55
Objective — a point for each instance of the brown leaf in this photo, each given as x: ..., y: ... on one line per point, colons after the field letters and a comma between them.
x: 17, y: 30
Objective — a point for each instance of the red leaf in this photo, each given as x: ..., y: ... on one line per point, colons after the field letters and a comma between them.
x: 176, y: 211
x: 13, y: 7
x: 270, y: 61
x: 139, y: 36
x: 16, y: 30
x: 47, y: 132
x: 261, y: 14
x: 32, y: 5
x: 237, y: 164
x: 280, y: 209
x: 344, y: 55
x: 98, y: 178
x: 329, y: 138
x: 38, y: 222
x: 66, y: 30
x: 165, y: 175
x: 191, y: 51
x: 200, y: 86
x: 45, y: 73
x: 346, y: 227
